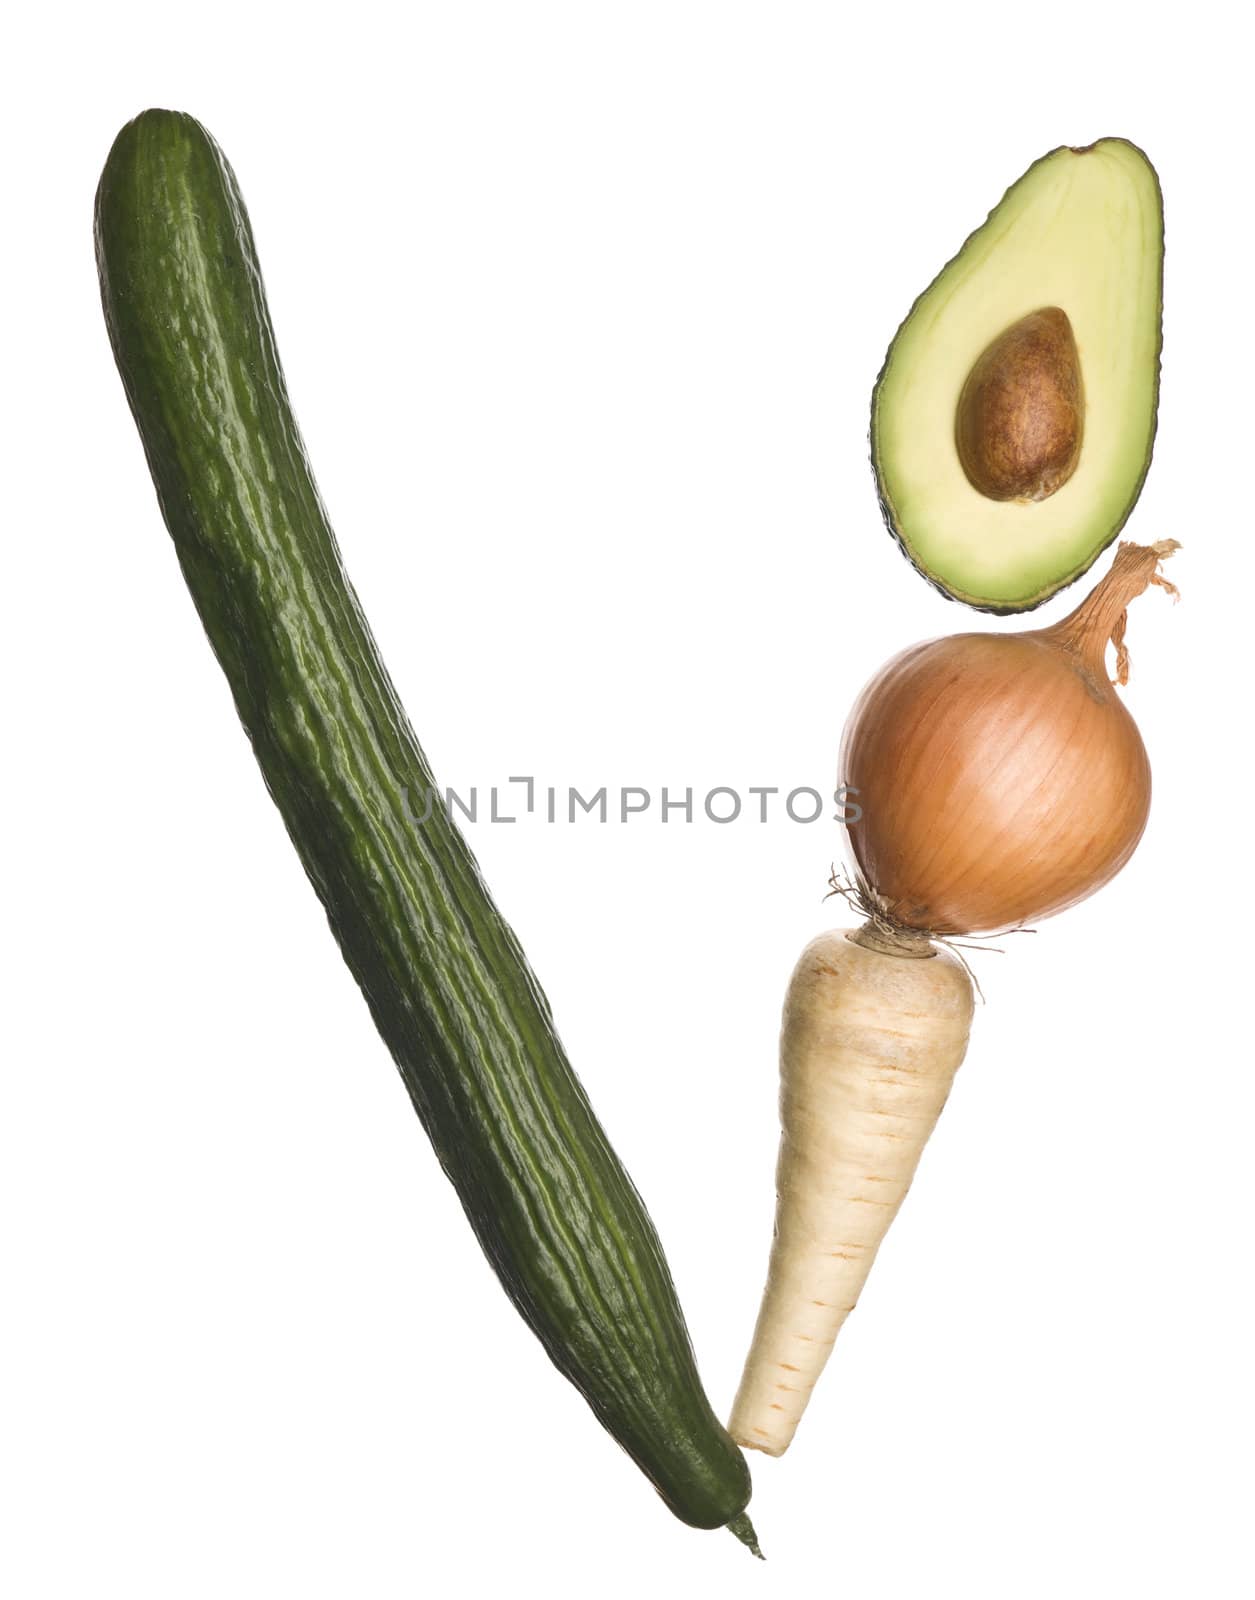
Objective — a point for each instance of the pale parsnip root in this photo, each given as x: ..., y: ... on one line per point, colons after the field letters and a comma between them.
x: 874, y: 1031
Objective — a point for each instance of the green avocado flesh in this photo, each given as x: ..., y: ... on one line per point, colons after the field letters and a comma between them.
x: 1082, y: 230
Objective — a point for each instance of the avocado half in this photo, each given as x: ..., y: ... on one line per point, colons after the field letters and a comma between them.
x: 1082, y: 233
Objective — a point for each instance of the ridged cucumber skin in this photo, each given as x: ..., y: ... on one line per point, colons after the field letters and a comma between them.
x: 447, y: 984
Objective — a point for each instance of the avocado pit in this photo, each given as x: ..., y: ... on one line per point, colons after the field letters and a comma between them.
x: 1021, y: 414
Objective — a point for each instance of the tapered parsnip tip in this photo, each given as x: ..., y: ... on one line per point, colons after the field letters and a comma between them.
x: 768, y: 1447
x: 744, y: 1530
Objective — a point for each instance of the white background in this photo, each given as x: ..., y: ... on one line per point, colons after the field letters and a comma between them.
x: 580, y: 308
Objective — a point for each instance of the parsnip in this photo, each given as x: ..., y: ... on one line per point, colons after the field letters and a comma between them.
x: 875, y: 1027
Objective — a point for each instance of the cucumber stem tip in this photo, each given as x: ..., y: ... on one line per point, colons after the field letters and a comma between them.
x: 744, y: 1530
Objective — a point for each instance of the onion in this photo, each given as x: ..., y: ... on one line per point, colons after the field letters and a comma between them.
x: 1000, y: 777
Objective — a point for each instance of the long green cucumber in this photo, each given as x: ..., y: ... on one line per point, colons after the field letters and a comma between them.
x: 447, y: 984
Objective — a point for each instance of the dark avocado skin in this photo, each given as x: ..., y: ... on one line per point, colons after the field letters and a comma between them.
x: 447, y: 984
x: 887, y: 510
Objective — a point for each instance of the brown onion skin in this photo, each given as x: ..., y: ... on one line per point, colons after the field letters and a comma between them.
x: 1000, y: 779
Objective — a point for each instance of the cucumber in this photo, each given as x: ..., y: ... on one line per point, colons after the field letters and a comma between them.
x: 446, y: 982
